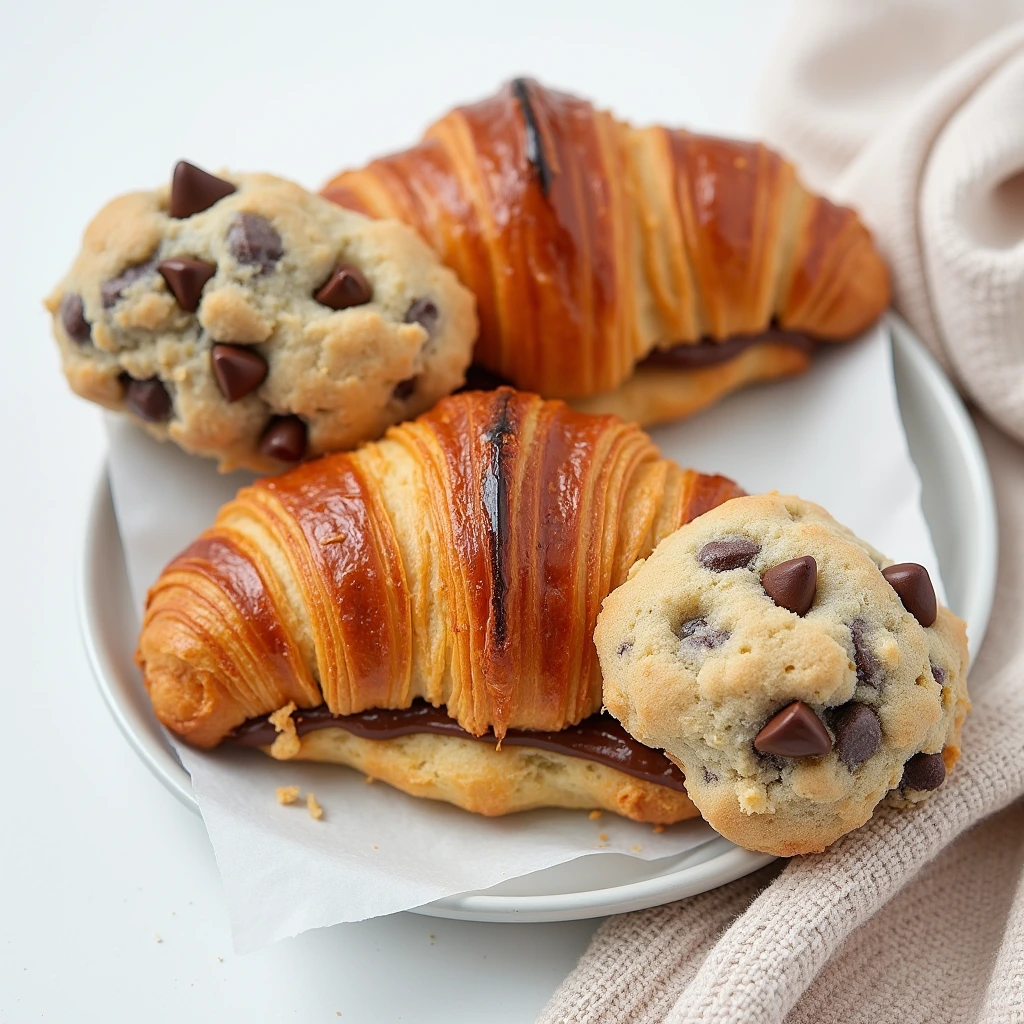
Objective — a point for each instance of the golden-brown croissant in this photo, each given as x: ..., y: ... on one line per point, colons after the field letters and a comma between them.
x: 458, y: 563
x: 591, y: 245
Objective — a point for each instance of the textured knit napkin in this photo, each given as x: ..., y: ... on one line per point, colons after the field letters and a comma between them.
x: 914, y: 112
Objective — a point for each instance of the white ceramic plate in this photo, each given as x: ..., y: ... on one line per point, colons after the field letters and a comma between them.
x: 960, y: 509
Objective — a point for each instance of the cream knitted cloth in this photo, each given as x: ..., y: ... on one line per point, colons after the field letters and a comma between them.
x: 914, y: 112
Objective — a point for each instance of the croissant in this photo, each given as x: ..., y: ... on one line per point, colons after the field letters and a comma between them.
x: 645, y: 271
x: 458, y: 564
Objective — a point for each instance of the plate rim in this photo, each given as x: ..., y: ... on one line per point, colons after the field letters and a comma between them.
x: 153, y: 747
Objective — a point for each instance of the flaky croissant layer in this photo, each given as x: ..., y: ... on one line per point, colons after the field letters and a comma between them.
x: 462, y: 559
x: 572, y: 227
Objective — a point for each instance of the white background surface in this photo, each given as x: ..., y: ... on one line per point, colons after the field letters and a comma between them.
x: 96, y: 859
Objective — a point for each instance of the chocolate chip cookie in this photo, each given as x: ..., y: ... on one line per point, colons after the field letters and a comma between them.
x: 795, y: 675
x: 249, y: 320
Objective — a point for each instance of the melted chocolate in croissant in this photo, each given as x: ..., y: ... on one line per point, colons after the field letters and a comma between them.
x: 598, y: 738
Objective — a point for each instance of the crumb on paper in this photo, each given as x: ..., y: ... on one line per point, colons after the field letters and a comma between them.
x: 603, y: 837
x: 287, y: 794
x: 594, y: 815
x: 600, y: 846
x: 637, y: 847
x: 315, y: 810
x: 220, y: 959
x: 375, y: 846
x: 369, y: 780
x: 158, y: 937
x: 659, y: 828
x: 287, y: 743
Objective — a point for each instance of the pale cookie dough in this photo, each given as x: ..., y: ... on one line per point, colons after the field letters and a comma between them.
x: 260, y: 325
x: 789, y: 727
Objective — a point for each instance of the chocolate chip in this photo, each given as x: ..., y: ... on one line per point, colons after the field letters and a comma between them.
x: 110, y: 291
x: 914, y: 587
x: 148, y: 399
x: 791, y: 585
x: 624, y: 648
x: 858, y: 734
x: 284, y: 439
x: 239, y: 371
x: 700, y: 634
x: 253, y: 240
x: 345, y: 287
x: 728, y: 553
x: 194, y: 190
x: 939, y: 675
x: 424, y: 313
x: 72, y: 316
x: 796, y: 731
x: 404, y: 389
x: 924, y: 772
x: 869, y: 672
x: 709, y: 777
x: 186, y: 279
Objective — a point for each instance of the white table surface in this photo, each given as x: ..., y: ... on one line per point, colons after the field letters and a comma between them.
x: 111, y: 907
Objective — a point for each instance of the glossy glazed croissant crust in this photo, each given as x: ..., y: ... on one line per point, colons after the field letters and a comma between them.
x: 590, y: 243
x: 462, y: 559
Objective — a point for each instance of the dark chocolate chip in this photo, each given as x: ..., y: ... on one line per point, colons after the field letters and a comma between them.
x: 624, y: 648
x: 148, y: 399
x: 728, y: 553
x: 72, y: 316
x: 110, y: 291
x: 253, y: 240
x: 284, y: 439
x: 939, y: 675
x: 424, y: 313
x: 796, y: 731
x: 345, y: 287
x: 700, y: 634
x: 239, y: 371
x: 914, y: 587
x: 194, y: 190
x: 404, y: 389
x: 186, y: 279
x: 791, y: 585
x: 709, y: 777
x: 858, y: 734
x: 924, y: 772
x: 869, y: 672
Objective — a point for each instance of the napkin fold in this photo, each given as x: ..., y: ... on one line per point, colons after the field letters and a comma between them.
x: 913, y: 112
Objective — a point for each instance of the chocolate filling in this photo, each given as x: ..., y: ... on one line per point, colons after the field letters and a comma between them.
x: 708, y: 352
x: 534, y: 144
x: 495, y: 500
x: 684, y: 356
x: 598, y: 738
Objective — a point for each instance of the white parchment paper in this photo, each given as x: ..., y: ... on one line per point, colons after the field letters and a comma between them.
x: 833, y: 436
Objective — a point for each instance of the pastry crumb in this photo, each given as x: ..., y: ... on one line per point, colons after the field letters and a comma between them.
x: 287, y: 744
x: 369, y: 780
x: 158, y: 937
x: 315, y: 810
x: 220, y: 959
x: 375, y: 846
x: 287, y: 794
x: 659, y: 828
x: 637, y: 847
x: 594, y: 815
x: 603, y: 837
